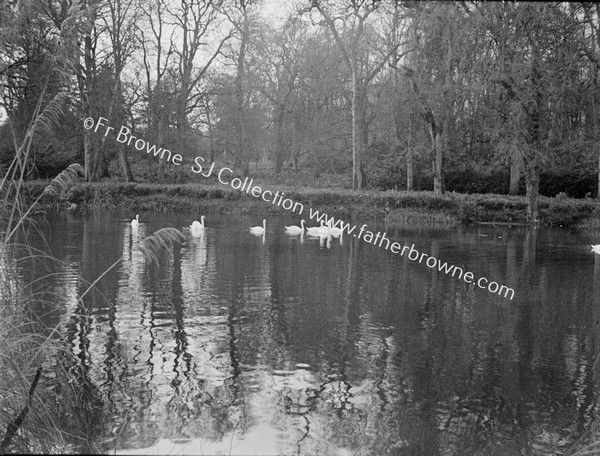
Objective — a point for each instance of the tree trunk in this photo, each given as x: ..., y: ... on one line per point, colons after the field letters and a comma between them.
x: 357, y: 139
x: 121, y: 151
x: 515, y: 176
x: 88, y: 152
x: 239, y: 92
x: 243, y: 156
x: 279, y: 142
x: 436, y: 160
x: 246, y: 159
x: 97, y: 164
x: 159, y: 143
x: 86, y: 88
x: 598, y: 196
x: 409, y: 160
x: 181, y: 136
x: 211, y: 141
x: 181, y: 125
x: 363, y: 134
x: 409, y: 170
x: 532, y: 182
x: 399, y: 134
x: 125, y: 168
x: 438, y: 185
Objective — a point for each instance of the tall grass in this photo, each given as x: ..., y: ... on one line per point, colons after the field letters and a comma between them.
x: 42, y: 407
x: 47, y: 404
x: 160, y: 241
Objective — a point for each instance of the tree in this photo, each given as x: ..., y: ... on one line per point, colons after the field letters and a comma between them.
x: 588, y: 40
x: 87, y: 79
x: 360, y: 60
x: 281, y: 52
x: 529, y: 67
x: 120, y: 25
x: 156, y: 60
x: 437, y: 61
x: 38, y: 55
x: 243, y: 17
x: 195, y: 22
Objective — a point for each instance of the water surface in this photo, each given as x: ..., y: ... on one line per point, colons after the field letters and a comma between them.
x: 238, y: 345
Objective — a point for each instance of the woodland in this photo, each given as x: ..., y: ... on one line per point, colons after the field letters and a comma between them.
x: 467, y: 97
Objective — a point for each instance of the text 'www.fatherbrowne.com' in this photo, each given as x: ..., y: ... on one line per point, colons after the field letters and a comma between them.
x: 381, y: 240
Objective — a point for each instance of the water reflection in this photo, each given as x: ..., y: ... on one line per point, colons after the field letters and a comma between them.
x: 295, y: 345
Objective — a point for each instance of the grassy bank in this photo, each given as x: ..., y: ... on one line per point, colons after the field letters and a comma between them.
x: 218, y: 198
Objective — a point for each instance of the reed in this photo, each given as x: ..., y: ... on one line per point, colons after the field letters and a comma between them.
x: 159, y: 242
x: 42, y: 405
x: 43, y: 408
x: 64, y: 181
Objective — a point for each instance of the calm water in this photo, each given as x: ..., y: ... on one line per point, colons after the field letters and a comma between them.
x: 291, y: 346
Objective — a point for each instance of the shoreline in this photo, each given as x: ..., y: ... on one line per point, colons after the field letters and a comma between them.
x: 421, y: 206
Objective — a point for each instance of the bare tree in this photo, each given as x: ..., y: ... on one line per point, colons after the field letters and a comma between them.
x: 589, y: 43
x: 195, y: 22
x: 157, y: 57
x: 360, y: 61
x: 120, y: 24
x: 281, y: 52
x: 242, y: 16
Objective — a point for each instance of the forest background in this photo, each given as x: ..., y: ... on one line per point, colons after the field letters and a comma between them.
x: 468, y: 97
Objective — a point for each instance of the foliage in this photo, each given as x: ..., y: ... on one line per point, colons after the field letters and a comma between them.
x: 63, y: 408
x: 473, y: 73
x: 340, y: 202
x: 160, y: 241
x: 61, y: 183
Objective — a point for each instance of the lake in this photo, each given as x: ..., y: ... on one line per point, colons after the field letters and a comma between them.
x: 235, y: 344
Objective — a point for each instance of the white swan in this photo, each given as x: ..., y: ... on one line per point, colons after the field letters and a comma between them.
x: 596, y: 248
x: 259, y: 229
x: 135, y: 222
x: 295, y: 229
x: 334, y: 231
x: 197, y: 227
x: 322, y: 230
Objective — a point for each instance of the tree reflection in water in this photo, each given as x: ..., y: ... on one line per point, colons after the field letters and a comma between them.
x: 287, y: 348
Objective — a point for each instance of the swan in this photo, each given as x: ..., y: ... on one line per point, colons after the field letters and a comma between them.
x: 318, y: 230
x: 136, y: 221
x: 259, y: 229
x: 295, y: 229
x: 596, y: 248
x: 197, y: 227
x: 334, y: 231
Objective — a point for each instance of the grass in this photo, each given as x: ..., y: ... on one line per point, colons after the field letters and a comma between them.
x: 47, y: 403
x: 59, y: 414
x: 210, y: 196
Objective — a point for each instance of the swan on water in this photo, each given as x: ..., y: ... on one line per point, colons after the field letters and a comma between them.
x: 322, y: 230
x: 197, y: 227
x: 334, y: 231
x: 259, y: 229
x: 295, y: 229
